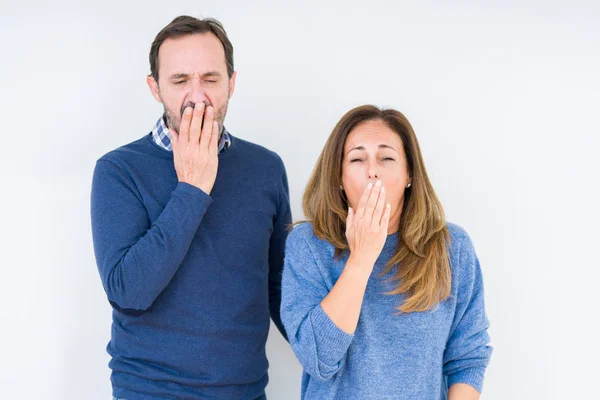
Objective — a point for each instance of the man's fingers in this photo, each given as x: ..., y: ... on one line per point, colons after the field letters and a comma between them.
x: 184, y: 127
x: 196, y: 124
x: 174, y: 140
x: 207, y: 128
x: 214, y: 139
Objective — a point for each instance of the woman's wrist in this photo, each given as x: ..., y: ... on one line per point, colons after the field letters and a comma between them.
x: 359, y: 265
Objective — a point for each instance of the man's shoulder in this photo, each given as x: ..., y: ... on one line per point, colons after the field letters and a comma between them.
x: 137, y: 148
x: 258, y: 152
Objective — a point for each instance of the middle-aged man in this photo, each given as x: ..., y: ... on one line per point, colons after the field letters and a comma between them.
x: 189, y: 226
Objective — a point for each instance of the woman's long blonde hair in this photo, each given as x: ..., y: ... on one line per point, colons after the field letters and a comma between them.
x: 424, y: 268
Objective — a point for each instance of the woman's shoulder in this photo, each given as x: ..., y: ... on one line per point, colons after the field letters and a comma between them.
x: 461, y: 250
x: 302, y: 232
x: 457, y: 232
x: 303, y: 235
x: 460, y: 241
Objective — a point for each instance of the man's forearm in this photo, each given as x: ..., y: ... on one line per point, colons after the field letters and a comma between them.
x: 136, y: 265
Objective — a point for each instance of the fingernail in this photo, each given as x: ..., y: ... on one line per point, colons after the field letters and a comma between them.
x: 188, y: 110
x: 370, y: 186
x: 382, y: 190
x: 378, y: 183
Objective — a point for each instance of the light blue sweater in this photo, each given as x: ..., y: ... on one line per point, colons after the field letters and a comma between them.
x: 390, y: 356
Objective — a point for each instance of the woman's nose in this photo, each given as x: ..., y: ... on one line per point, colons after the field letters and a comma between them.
x: 373, y: 172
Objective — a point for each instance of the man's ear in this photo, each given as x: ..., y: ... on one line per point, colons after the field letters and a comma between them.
x: 153, y: 85
x: 232, y: 83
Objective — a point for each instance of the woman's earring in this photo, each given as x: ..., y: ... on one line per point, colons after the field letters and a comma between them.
x: 341, y: 188
x: 407, y: 186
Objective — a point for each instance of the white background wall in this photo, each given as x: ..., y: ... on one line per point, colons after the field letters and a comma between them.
x: 504, y: 97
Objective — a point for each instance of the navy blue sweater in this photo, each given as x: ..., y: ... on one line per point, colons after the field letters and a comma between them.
x: 192, y: 278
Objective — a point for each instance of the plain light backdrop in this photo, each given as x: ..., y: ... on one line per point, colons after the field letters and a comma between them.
x: 504, y: 97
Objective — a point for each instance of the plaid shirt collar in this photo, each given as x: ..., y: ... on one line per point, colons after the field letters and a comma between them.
x: 162, y: 136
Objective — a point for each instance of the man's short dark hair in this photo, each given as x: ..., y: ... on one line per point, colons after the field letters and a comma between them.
x: 185, y: 25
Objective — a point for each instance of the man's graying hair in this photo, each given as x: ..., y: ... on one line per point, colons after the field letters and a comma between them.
x: 185, y: 25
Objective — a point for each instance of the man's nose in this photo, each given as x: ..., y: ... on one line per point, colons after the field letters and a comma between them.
x: 197, y: 94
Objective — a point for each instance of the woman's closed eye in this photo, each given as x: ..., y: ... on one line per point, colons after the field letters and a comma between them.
x: 382, y: 159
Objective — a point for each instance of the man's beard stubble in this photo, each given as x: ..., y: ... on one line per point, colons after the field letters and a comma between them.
x: 174, y: 121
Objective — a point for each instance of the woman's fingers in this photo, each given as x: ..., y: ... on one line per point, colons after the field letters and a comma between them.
x: 385, y: 219
x: 349, y: 220
x: 360, y: 209
x: 379, y: 207
x: 372, y: 203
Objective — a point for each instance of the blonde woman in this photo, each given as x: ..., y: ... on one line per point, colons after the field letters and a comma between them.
x: 381, y: 297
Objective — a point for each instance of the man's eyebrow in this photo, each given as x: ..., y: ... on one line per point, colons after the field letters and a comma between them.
x: 179, y: 76
x: 211, y: 73
x: 182, y: 75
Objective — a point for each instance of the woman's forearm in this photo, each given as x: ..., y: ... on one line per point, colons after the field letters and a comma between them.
x: 344, y: 301
x: 462, y: 391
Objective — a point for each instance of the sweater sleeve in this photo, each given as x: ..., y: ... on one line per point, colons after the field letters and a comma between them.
x: 137, y: 259
x: 281, y: 224
x: 319, y: 345
x: 467, y: 351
